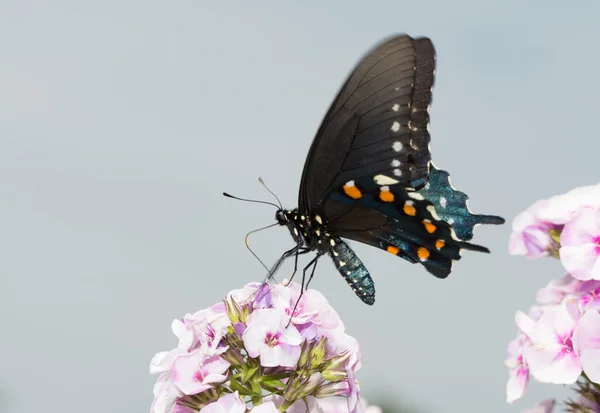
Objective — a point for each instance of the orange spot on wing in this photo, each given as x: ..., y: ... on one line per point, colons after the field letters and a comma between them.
x: 386, y: 196
x: 393, y: 250
x: 429, y: 226
x: 439, y: 244
x: 352, y: 191
x: 409, y: 209
x: 423, y: 253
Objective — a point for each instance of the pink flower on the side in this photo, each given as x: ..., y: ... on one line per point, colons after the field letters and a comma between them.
x: 165, y: 395
x: 529, y: 235
x: 587, y: 341
x: 560, y: 209
x: 587, y: 298
x: 580, y: 245
x: 267, y: 336
x: 353, y: 398
x: 545, y: 406
x: 518, y: 373
x: 556, y: 290
x: 230, y: 403
x: 550, y: 353
x: 198, y: 371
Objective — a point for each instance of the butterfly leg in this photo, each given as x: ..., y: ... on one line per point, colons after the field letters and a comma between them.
x: 278, y: 263
x: 313, y: 264
x: 298, y: 252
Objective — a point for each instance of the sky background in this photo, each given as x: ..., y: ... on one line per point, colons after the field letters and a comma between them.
x: 122, y: 122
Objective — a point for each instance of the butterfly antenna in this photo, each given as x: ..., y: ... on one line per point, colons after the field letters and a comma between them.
x: 250, y: 200
x: 250, y: 249
x: 271, y: 192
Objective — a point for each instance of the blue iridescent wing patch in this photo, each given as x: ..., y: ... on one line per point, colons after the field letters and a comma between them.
x: 451, y: 205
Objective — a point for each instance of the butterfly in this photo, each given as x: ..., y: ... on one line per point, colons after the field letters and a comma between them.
x: 368, y: 176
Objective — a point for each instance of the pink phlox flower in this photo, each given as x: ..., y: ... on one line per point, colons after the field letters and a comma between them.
x: 165, y: 395
x: 266, y: 407
x: 353, y: 397
x: 580, y: 245
x: 285, y: 298
x: 518, y: 373
x: 267, y: 336
x: 549, y: 352
x: 545, y: 406
x: 340, y: 342
x: 331, y: 405
x: 587, y: 341
x: 560, y: 209
x: 243, y: 295
x: 209, y: 325
x: 557, y: 290
x: 230, y: 403
x: 180, y: 408
x: 529, y: 235
x: 587, y: 298
x: 198, y: 371
x: 263, y: 298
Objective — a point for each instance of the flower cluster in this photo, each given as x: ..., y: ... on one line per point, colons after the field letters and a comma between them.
x: 558, y: 339
x: 264, y: 349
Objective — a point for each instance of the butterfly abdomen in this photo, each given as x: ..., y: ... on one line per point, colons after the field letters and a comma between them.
x: 353, y: 270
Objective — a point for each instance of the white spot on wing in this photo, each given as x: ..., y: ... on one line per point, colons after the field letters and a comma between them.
x: 395, y: 127
x: 332, y: 242
x: 433, y: 212
x: 443, y: 202
x: 397, y: 146
x: 350, y: 183
x: 318, y: 218
x: 396, y: 107
x: 397, y: 172
x: 384, y: 188
x: 416, y: 196
x: 395, y: 163
x: 450, y: 221
x: 342, y: 263
x: 384, y: 180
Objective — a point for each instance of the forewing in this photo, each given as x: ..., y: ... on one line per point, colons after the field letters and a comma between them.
x: 378, y: 123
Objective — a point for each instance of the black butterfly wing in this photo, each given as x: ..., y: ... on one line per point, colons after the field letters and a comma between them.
x: 377, y: 125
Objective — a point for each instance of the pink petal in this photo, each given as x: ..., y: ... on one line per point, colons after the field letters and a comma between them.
x: 254, y: 339
x: 596, y: 267
x: 582, y: 229
x: 290, y: 336
x: 517, y: 383
x: 587, y: 341
x: 230, y: 403
x: 590, y: 361
x: 579, y: 260
x: 267, y: 407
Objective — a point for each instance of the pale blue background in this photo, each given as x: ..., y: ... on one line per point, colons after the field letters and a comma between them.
x: 122, y: 122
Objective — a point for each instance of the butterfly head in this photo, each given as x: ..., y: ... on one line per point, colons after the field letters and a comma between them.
x: 281, y: 217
